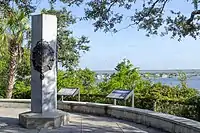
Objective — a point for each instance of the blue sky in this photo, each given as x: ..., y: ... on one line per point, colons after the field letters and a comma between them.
x: 145, y: 52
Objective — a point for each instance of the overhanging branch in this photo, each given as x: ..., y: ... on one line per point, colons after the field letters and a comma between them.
x: 163, y: 6
x: 196, y: 12
x: 152, y: 6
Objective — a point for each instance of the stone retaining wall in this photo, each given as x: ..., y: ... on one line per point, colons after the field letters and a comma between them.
x: 170, y: 123
x: 15, y: 103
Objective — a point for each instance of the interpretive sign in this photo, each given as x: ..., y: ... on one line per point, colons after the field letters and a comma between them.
x: 69, y: 92
x: 121, y: 95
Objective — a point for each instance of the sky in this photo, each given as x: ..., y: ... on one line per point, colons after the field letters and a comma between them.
x: 147, y: 53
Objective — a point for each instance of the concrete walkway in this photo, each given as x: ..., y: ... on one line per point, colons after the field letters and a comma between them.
x: 79, y: 123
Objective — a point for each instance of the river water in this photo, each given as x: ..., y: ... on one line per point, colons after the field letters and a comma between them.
x: 192, y: 81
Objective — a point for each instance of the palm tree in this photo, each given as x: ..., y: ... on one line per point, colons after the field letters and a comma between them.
x: 13, y: 28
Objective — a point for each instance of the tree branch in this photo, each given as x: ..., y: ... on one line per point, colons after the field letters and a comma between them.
x: 196, y: 12
x: 130, y: 25
x: 153, y: 5
x: 111, y: 4
x: 163, y: 6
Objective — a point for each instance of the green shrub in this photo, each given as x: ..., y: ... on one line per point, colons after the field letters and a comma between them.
x: 22, y: 90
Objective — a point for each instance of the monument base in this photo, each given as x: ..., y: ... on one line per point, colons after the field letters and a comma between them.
x: 54, y: 119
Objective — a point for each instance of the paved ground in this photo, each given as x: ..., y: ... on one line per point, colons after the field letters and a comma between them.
x: 79, y: 123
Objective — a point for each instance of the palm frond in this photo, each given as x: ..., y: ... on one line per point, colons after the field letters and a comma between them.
x: 13, y: 29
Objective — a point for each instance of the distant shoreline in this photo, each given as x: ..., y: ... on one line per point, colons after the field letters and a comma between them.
x: 154, y: 71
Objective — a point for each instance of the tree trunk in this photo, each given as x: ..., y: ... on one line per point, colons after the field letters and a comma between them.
x: 12, y: 72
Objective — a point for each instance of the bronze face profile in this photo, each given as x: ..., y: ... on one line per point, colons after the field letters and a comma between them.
x: 43, y: 57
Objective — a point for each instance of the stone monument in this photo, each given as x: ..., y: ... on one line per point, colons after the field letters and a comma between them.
x: 44, y: 111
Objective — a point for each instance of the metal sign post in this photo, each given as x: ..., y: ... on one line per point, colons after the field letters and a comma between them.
x: 132, y: 100
x: 115, y: 101
x: 79, y: 97
x: 62, y: 98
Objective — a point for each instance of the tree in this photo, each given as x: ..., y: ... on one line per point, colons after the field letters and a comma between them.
x: 150, y: 15
x: 13, y: 29
x: 4, y: 60
x: 87, y: 78
x: 25, y: 5
x: 69, y: 47
x: 81, y: 78
x: 126, y: 77
x: 126, y: 74
x: 15, y: 32
x: 24, y: 67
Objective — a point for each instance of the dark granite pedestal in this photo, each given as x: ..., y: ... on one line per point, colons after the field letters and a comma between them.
x: 54, y: 119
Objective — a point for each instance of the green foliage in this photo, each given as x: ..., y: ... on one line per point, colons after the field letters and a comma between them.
x: 14, y: 28
x: 150, y: 15
x: 22, y: 85
x: 177, y: 100
x: 15, y: 40
x: 22, y: 90
x: 182, y: 77
x: 69, y: 47
x: 195, y: 2
x: 125, y: 77
x: 25, y: 5
x: 83, y: 79
x: 13, y: 31
x: 24, y: 67
x: 23, y: 70
x: 4, y: 60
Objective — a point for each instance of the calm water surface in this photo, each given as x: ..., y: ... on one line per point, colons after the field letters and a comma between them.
x: 193, y: 82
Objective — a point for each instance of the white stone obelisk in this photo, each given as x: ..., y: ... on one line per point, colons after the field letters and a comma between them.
x: 44, y: 92
x: 44, y: 111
